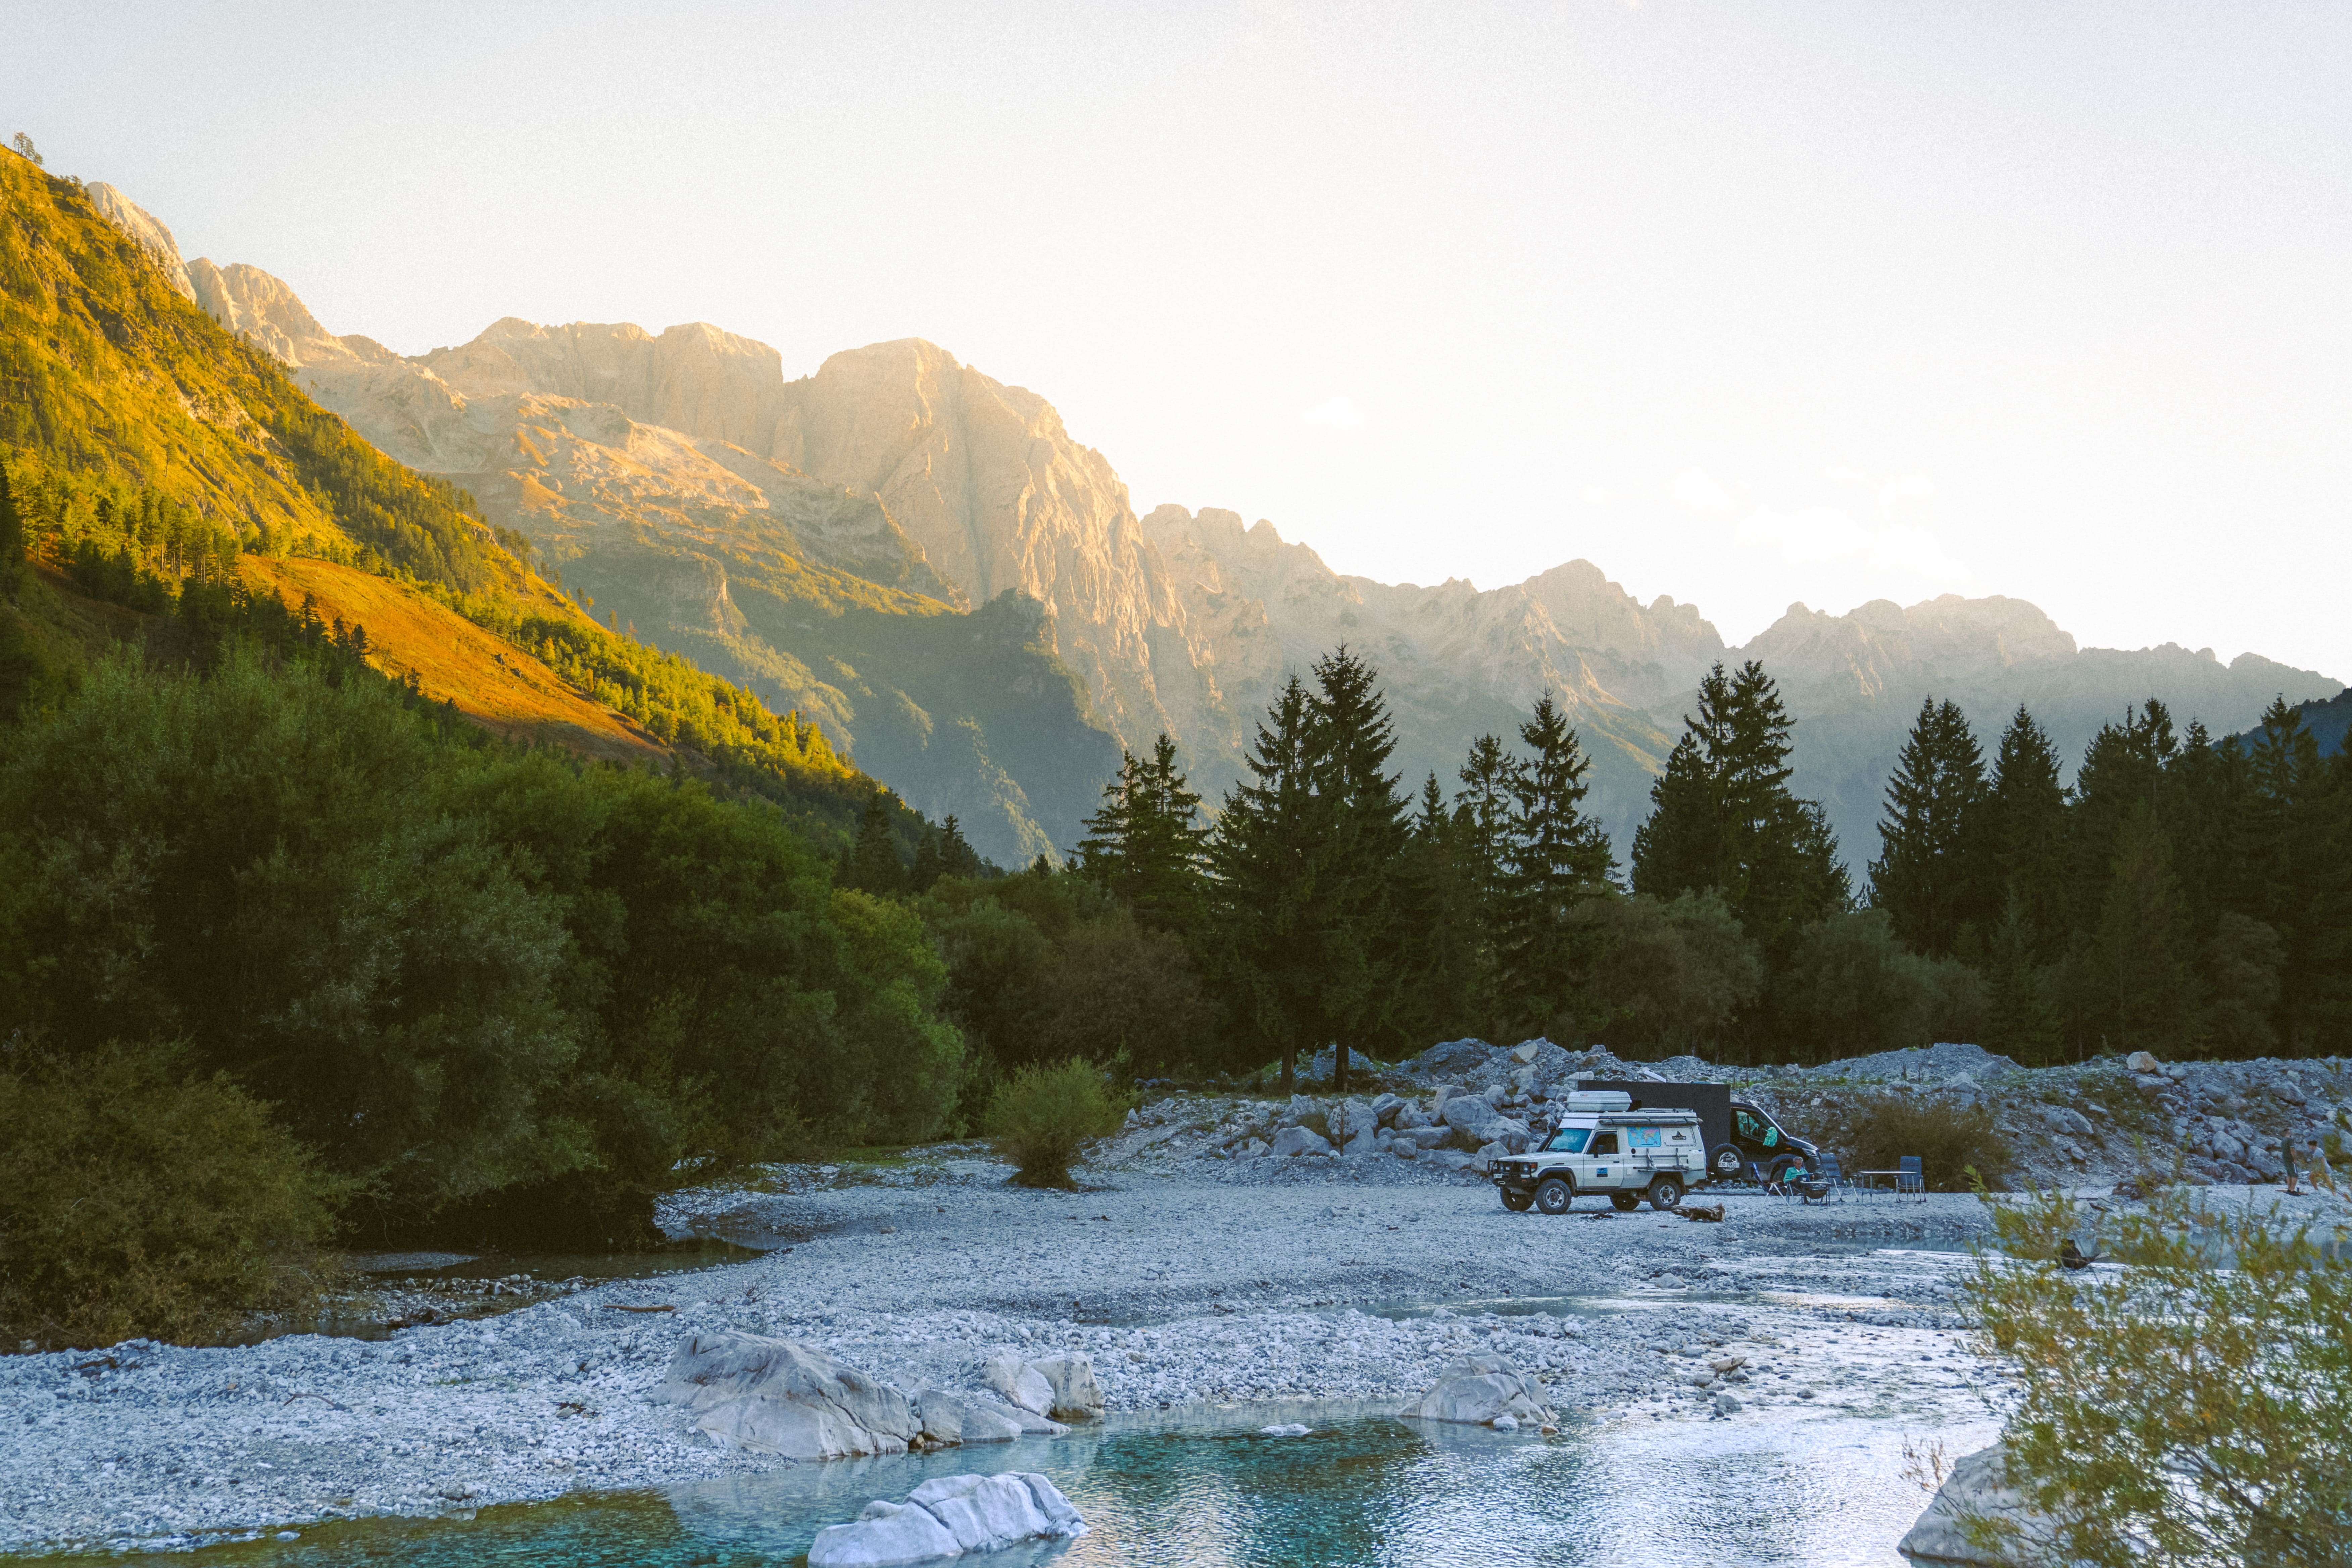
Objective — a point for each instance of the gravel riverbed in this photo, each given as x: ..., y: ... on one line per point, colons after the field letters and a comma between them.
x: 1183, y: 1288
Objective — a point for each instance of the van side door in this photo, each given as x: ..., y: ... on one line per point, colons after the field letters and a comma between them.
x: 1604, y: 1160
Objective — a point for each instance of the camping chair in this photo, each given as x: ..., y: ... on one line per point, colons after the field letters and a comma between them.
x: 1829, y: 1180
x: 1913, y: 1177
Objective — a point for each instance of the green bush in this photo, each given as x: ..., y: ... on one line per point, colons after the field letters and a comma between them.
x: 137, y: 1200
x: 1876, y: 1132
x: 1041, y: 1115
x: 2173, y: 1412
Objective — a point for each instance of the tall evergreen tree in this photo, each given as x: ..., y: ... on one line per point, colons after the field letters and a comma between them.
x: 1145, y: 844
x: 1926, y: 878
x: 1436, y: 902
x: 872, y: 863
x: 1362, y: 818
x: 957, y: 856
x: 1263, y: 857
x: 1481, y: 835
x: 1722, y: 816
x: 1556, y: 856
x: 2024, y: 817
x: 929, y: 867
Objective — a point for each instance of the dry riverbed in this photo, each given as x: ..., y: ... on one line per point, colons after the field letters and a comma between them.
x: 1184, y: 1289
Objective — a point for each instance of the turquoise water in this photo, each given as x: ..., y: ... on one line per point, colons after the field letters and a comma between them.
x: 1361, y: 1488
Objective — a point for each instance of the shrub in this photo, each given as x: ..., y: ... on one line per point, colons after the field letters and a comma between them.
x: 2173, y: 1411
x: 1041, y: 1115
x: 1951, y: 1140
x: 138, y: 1200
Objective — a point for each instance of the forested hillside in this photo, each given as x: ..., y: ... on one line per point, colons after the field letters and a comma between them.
x: 310, y: 814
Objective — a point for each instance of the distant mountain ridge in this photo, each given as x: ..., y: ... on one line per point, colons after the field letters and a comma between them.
x: 818, y: 538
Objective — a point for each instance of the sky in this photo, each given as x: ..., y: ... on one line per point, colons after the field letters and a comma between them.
x: 1748, y: 304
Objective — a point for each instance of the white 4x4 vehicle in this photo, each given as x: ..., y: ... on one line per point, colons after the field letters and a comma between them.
x: 1603, y: 1146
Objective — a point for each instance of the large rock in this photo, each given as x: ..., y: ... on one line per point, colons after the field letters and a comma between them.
x: 1978, y: 1489
x: 1023, y: 1385
x: 1300, y: 1141
x: 1476, y: 1123
x: 777, y: 1396
x: 1478, y: 1389
x: 1408, y: 1117
x: 948, y: 1417
x: 1349, y: 1118
x: 1075, y: 1394
x: 946, y: 1516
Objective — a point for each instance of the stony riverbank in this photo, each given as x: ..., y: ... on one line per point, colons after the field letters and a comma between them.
x: 1189, y: 1277
x: 1181, y: 1291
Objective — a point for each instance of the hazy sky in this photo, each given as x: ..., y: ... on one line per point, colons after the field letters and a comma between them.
x: 1747, y: 303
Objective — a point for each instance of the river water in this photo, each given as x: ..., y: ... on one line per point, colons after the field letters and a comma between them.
x: 1207, y: 1490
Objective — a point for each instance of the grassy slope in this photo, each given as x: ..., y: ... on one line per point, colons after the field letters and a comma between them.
x: 117, y: 384
x: 491, y: 681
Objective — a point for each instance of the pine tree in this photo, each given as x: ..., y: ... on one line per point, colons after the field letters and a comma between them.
x: 1926, y: 878
x: 1261, y: 856
x: 1145, y: 844
x: 929, y: 865
x: 2024, y: 835
x: 1556, y: 856
x: 1722, y: 816
x: 1363, y: 832
x: 957, y: 858
x: 1435, y: 899
x: 873, y: 863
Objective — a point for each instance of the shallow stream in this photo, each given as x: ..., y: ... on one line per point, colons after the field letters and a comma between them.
x: 1363, y: 1487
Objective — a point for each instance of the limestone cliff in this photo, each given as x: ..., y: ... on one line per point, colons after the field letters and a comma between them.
x: 823, y: 539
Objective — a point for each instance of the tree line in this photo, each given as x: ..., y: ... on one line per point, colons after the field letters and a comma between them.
x: 2182, y: 894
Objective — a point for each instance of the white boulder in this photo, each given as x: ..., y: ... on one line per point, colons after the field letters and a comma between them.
x: 778, y: 1396
x: 1292, y: 1140
x: 946, y: 1516
x: 1477, y: 1389
x: 950, y: 1418
x: 2141, y: 1061
x: 1023, y: 1385
x: 1075, y: 1391
x: 1977, y: 1491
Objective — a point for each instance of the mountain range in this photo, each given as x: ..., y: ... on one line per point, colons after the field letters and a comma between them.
x: 923, y: 560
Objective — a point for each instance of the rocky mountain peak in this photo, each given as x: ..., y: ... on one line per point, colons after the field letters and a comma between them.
x: 252, y: 303
x: 144, y: 227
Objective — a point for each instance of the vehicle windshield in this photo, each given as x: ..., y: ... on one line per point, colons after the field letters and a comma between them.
x: 1568, y: 1140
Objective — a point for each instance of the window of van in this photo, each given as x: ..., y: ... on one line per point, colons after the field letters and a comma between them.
x: 1606, y: 1143
x: 1568, y: 1140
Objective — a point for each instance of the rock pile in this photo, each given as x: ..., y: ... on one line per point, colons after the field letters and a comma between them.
x: 946, y: 1516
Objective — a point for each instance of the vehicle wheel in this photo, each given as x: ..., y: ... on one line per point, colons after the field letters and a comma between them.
x: 1516, y: 1202
x: 1665, y: 1192
x: 1625, y: 1202
x: 1554, y: 1195
x: 1725, y: 1162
